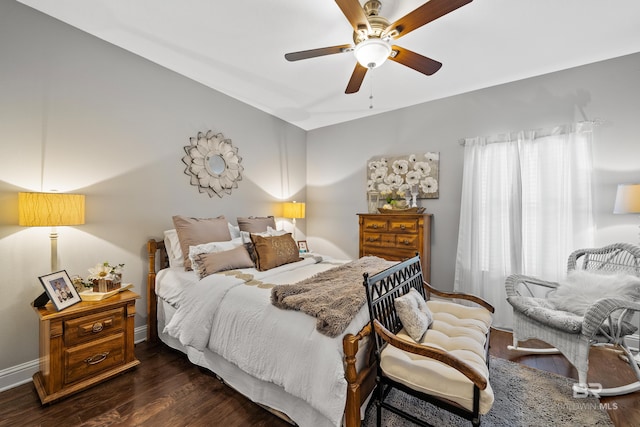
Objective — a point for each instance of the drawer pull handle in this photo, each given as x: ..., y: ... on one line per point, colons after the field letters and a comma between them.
x: 371, y: 239
x: 374, y: 226
x: 402, y: 227
x: 95, y: 359
x: 406, y: 242
x: 97, y: 327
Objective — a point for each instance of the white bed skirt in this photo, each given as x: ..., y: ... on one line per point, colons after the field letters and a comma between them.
x: 261, y: 392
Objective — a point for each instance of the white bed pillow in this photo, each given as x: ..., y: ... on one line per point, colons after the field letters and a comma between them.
x: 212, y: 247
x: 274, y: 232
x: 583, y: 288
x: 172, y: 246
x: 234, y: 230
x: 414, y: 314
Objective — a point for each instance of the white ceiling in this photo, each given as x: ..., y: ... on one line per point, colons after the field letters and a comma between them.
x: 237, y: 47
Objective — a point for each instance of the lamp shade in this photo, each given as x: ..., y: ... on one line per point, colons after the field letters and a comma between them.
x: 50, y: 209
x: 627, y: 199
x: 293, y: 210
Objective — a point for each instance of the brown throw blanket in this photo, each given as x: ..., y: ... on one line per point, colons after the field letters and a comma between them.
x: 333, y: 296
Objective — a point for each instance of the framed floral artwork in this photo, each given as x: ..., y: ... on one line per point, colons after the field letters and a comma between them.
x: 400, y: 176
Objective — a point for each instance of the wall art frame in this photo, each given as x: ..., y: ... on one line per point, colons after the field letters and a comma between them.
x: 213, y: 163
x: 394, y: 176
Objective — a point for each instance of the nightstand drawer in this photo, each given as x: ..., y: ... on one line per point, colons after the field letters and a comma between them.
x: 87, y: 359
x: 86, y: 328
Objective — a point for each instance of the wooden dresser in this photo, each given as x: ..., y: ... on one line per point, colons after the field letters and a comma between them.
x: 84, y: 344
x: 396, y: 237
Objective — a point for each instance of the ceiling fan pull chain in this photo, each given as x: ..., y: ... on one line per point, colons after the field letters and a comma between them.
x: 371, y: 88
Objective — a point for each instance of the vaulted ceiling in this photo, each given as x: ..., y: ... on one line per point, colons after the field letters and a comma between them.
x: 237, y: 47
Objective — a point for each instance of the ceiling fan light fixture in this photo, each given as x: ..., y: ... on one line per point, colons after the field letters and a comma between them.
x: 372, y: 53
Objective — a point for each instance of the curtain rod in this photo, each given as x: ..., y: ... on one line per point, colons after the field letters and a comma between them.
x: 595, y: 122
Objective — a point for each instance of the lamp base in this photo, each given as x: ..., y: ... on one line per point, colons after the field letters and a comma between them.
x: 41, y: 301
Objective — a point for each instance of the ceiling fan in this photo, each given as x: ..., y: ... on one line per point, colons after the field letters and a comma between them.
x: 372, y: 35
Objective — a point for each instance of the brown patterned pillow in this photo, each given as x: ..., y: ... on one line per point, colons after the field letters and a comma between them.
x: 274, y: 251
x: 196, y: 231
x: 222, y: 261
x: 255, y: 224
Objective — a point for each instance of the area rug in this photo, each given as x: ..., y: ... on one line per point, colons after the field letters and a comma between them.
x: 524, y: 397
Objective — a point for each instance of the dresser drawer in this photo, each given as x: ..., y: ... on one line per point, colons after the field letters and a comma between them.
x: 375, y: 225
x: 87, y: 328
x: 85, y: 360
x: 372, y: 239
x: 408, y: 226
x: 407, y: 241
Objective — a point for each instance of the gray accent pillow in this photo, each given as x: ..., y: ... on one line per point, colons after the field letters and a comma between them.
x: 414, y: 314
x: 195, y: 231
x: 209, y: 263
x: 256, y: 224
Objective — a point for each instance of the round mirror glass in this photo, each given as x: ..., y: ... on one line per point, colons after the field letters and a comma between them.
x: 216, y: 164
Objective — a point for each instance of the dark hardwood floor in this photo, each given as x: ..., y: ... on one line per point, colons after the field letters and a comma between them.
x: 167, y: 390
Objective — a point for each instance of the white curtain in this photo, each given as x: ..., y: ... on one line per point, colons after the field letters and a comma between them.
x: 526, y: 204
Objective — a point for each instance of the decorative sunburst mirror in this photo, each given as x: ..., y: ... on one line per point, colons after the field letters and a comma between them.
x: 213, y: 163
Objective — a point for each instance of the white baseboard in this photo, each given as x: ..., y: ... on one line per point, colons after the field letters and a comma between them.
x: 18, y: 375
x: 140, y: 334
x: 22, y: 374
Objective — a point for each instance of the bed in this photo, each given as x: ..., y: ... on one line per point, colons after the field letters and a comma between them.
x: 227, y: 323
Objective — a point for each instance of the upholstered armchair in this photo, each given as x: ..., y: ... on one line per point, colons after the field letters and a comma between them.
x: 595, y: 305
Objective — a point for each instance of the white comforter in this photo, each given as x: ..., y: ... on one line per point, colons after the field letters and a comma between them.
x: 232, y: 315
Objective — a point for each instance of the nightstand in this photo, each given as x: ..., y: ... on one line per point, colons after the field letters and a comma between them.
x: 84, y: 344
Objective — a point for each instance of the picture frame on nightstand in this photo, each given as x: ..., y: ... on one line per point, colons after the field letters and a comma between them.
x: 60, y: 289
x: 302, y: 246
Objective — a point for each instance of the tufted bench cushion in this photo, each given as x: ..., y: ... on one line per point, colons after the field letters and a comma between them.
x: 457, y: 329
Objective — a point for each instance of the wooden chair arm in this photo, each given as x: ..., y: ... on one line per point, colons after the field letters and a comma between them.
x: 459, y: 295
x: 514, y: 283
x: 431, y: 352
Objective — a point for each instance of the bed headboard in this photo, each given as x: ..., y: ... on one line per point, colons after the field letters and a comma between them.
x: 158, y: 259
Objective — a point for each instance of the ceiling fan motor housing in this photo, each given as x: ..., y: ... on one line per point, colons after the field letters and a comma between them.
x: 376, y: 22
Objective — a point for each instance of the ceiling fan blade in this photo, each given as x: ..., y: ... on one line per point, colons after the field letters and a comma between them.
x: 414, y: 60
x: 356, y: 79
x: 424, y: 14
x: 354, y: 14
x: 312, y: 53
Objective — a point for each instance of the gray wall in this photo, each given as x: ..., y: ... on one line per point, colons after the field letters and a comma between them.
x: 337, y: 155
x: 77, y: 114
x: 80, y: 115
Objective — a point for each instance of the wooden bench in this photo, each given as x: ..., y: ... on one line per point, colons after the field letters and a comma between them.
x: 449, y: 365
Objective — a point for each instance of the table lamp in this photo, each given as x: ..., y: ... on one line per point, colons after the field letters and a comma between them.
x: 50, y: 210
x: 293, y: 210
